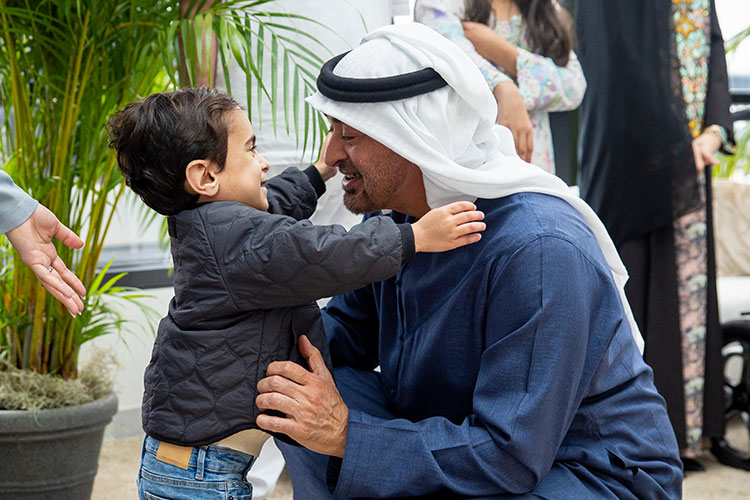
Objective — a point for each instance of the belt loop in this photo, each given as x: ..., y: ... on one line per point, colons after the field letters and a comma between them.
x: 199, y: 465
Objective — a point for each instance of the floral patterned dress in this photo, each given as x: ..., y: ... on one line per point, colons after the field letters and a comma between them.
x: 691, y: 22
x: 545, y: 87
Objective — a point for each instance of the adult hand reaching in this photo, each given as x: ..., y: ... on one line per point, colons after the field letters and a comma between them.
x: 33, y: 242
x: 511, y: 113
x: 315, y: 415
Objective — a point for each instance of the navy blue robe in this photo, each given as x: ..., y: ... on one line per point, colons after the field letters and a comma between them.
x: 507, y: 368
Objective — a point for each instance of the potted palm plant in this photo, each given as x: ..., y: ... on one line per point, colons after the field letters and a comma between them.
x: 65, y: 67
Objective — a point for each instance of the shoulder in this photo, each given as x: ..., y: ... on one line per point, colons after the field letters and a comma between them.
x: 225, y: 211
x: 521, y: 220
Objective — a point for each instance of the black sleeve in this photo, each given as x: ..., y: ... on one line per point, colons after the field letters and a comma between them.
x: 289, y: 263
x: 316, y: 180
x: 717, y: 93
x: 295, y: 193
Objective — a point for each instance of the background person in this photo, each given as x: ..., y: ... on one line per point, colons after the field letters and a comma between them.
x: 524, y: 49
x: 342, y: 24
x: 648, y: 139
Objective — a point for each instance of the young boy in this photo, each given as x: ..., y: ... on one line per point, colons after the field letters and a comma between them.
x: 248, y: 268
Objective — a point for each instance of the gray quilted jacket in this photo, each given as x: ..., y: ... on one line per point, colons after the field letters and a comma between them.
x: 245, y: 284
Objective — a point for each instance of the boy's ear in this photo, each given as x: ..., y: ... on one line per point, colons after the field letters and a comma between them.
x: 201, y: 178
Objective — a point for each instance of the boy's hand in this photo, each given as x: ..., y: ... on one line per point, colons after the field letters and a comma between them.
x: 448, y: 227
x: 326, y: 171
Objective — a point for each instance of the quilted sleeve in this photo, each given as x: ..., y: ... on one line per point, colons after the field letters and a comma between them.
x: 294, y: 192
x: 291, y: 263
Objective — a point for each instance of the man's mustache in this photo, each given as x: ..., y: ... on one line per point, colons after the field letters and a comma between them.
x: 346, y: 166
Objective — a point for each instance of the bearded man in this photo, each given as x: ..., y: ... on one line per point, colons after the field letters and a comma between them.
x: 510, y: 368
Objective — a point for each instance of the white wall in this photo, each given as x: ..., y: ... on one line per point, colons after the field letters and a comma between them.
x: 734, y: 16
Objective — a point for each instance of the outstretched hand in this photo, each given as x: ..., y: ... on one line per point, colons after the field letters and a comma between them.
x: 315, y: 415
x: 33, y: 242
x: 448, y: 227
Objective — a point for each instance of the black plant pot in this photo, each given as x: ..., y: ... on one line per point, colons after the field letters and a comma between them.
x: 52, y: 453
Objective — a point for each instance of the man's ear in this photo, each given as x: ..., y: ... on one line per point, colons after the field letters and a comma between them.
x: 201, y: 178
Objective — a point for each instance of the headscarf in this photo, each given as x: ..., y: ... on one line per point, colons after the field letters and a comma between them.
x: 450, y: 133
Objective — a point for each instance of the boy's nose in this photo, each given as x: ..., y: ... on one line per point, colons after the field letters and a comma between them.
x: 264, y: 164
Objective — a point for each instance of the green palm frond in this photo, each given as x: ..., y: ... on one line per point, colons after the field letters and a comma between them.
x: 264, y: 44
x: 735, y: 41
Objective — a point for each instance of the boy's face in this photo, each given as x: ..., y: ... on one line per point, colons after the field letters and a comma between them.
x: 245, y: 169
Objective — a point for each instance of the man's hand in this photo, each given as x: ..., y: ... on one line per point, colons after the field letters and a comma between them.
x: 316, y: 416
x: 705, y: 147
x: 511, y: 113
x: 326, y: 171
x: 448, y: 227
x: 33, y: 242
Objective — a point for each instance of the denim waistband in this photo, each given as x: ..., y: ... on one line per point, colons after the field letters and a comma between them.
x: 213, y: 458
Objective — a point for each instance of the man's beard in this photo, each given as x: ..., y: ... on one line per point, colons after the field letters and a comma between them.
x: 380, y: 179
x: 360, y: 203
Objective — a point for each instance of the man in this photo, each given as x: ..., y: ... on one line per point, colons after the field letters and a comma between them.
x: 30, y: 228
x: 509, y: 369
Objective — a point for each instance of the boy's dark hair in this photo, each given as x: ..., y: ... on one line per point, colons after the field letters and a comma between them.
x: 156, y: 138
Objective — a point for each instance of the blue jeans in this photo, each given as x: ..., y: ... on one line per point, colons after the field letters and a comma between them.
x: 213, y: 473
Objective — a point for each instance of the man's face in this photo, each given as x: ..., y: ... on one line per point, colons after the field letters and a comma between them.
x: 375, y: 177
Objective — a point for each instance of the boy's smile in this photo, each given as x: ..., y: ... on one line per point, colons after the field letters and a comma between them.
x: 244, y: 173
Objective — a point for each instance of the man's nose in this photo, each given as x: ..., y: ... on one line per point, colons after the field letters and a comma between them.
x: 335, y: 151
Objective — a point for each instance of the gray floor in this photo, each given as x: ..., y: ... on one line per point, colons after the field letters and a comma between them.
x: 118, y: 466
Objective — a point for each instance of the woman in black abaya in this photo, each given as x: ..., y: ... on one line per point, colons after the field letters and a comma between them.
x: 655, y: 113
